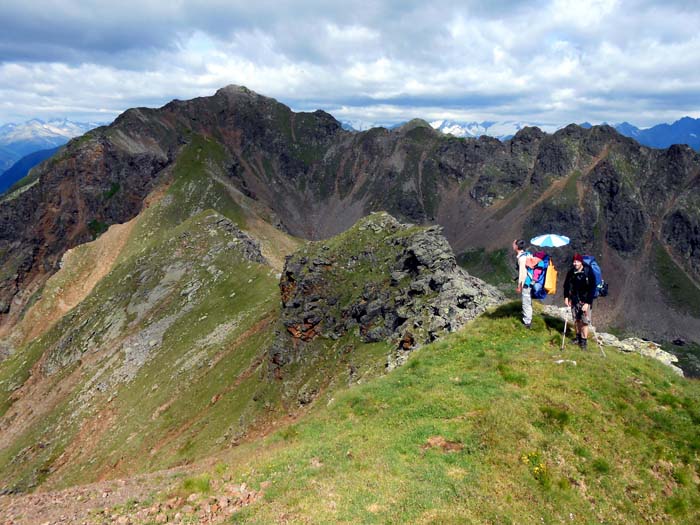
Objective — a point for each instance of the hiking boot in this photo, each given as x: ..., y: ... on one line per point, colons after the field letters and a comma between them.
x: 584, y: 343
x: 577, y: 339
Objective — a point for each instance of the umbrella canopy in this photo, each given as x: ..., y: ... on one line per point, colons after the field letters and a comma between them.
x: 551, y: 240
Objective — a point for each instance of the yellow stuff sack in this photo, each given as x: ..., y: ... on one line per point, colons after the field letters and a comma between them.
x: 550, y: 280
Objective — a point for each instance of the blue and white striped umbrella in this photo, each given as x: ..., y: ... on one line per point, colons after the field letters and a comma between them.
x: 550, y: 240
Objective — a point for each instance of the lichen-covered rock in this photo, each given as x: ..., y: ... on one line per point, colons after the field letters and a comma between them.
x: 239, y: 241
x: 641, y: 347
x: 383, y: 281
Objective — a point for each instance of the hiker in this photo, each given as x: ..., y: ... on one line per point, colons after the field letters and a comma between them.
x: 524, y: 281
x: 579, y: 290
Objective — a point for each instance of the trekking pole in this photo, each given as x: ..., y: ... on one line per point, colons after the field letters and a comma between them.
x: 600, y: 344
x: 563, y: 335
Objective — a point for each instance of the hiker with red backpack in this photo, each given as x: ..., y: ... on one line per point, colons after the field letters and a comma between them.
x: 579, y: 292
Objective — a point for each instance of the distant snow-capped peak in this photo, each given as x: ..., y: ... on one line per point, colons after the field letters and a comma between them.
x: 358, y: 125
x: 448, y: 127
x: 38, y: 130
x: 501, y: 130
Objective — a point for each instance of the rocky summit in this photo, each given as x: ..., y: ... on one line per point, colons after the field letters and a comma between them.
x: 381, y: 280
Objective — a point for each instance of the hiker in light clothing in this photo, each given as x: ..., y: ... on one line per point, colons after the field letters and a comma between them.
x: 524, y: 281
x: 579, y: 290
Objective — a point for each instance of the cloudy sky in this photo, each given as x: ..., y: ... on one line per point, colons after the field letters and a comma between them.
x: 547, y: 62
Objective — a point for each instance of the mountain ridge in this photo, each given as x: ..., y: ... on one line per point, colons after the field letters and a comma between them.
x: 685, y: 130
x: 183, y: 299
x: 313, y: 179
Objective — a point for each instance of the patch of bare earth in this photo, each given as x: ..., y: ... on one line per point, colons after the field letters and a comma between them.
x: 37, y: 397
x: 158, y: 497
x: 82, y: 268
x: 275, y: 245
x: 443, y: 444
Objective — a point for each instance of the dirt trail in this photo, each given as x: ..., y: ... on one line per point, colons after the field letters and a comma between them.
x: 83, y: 504
x: 157, y: 497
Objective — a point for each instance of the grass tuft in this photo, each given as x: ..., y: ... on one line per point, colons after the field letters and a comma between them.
x: 199, y: 484
x: 558, y: 417
x: 601, y: 466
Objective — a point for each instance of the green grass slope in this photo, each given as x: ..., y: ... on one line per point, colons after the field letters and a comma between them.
x: 153, y: 369
x: 495, y: 267
x: 488, y: 426
x: 157, y: 366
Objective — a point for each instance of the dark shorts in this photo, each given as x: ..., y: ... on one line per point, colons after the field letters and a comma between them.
x: 579, y: 315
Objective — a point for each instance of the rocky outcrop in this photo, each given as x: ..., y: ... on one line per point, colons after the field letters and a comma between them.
x: 642, y: 347
x: 240, y: 241
x: 381, y: 281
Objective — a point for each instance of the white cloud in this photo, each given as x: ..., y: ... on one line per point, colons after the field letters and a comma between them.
x: 560, y: 61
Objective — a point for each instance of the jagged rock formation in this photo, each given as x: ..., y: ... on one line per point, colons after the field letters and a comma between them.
x: 381, y: 280
x: 302, y: 172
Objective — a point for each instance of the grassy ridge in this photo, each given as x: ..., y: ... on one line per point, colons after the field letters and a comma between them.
x: 123, y: 415
x: 165, y: 361
x: 192, y: 394
x: 191, y: 192
x: 486, y: 427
